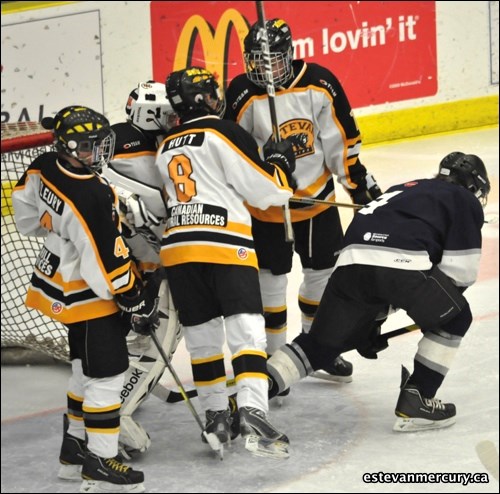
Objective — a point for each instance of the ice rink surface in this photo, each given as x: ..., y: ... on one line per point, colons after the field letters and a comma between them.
x: 338, y: 432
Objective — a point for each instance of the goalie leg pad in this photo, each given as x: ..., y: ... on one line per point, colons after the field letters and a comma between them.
x: 133, y: 437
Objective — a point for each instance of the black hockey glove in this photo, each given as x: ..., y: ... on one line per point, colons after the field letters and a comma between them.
x: 143, y: 309
x: 374, y: 342
x: 365, y: 194
x: 281, y: 155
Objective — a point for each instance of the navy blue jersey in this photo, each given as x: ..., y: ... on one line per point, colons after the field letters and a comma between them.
x: 418, y: 225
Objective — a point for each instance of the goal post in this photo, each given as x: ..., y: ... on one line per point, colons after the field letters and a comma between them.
x: 21, y: 327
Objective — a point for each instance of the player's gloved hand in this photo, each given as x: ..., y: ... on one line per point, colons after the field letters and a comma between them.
x: 374, y: 341
x: 147, y: 320
x: 138, y: 213
x: 281, y: 154
x: 134, y: 210
x: 365, y: 194
x: 143, y: 309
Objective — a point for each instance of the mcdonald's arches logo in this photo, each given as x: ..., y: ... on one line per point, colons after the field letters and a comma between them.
x: 201, y: 40
x: 214, y: 42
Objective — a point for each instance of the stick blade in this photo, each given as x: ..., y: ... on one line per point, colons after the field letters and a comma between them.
x: 488, y: 454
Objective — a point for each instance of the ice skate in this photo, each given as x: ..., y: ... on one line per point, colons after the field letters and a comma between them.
x: 339, y: 371
x: 261, y: 437
x: 416, y: 413
x: 109, y: 475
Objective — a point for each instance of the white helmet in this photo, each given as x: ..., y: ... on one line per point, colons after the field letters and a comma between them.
x: 149, y: 109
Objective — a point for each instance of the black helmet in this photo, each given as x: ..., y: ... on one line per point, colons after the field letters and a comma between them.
x: 79, y: 130
x: 281, y: 53
x: 467, y: 170
x: 195, y: 89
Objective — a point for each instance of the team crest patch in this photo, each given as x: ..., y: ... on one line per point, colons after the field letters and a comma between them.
x: 242, y: 254
x: 56, y: 308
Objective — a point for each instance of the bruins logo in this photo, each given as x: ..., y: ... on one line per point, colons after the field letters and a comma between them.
x: 300, y: 133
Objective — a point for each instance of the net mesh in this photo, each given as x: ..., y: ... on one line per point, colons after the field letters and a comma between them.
x: 23, y: 327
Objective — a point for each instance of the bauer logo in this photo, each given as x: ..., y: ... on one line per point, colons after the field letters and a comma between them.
x: 214, y: 42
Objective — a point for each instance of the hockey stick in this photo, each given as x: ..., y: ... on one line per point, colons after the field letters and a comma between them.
x: 175, y: 397
x: 381, y: 343
x: 266, y: 57
x: 400, y: 331
x: 488, y: 455
x: 382, y: 340
x: 211, y: 438
x: 310, y: 200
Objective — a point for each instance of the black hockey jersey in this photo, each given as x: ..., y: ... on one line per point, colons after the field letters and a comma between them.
x: 314, y: 112
x: 418, y: 225
x: 84, y: 261
x: 210, y: 167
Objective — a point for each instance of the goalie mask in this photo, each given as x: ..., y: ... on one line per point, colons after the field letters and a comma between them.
x: 83, y: 134
x: 467, y: 170
x: 149, y: 109
x: 280, y: 48
x: 195, y: 90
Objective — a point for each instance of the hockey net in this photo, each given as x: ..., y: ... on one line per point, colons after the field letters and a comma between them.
x: 27, y: 335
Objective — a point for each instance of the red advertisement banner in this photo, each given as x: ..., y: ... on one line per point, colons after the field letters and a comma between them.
x: 381, y: 51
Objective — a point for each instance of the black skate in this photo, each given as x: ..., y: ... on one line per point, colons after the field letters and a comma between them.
x: 280, y: 397
x: 261, y: 437
x: 218, y: 422
x: 416, y: 413
x: 339, y: 371
x: 73, y: 451
x: 109, y: 475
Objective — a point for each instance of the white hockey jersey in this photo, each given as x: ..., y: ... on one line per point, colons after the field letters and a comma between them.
x: 84, y: 261
x: 210, y: 167
x: 133, y: 169
x: 314, y: 113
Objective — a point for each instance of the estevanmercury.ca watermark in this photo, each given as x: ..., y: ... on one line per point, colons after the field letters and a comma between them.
x: 425, y: 478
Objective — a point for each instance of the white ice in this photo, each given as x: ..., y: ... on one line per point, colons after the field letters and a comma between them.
x: 338, y: 432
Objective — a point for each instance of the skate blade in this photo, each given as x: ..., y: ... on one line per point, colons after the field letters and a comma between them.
x: 416, y: 424
x: 260, y: 446
x: 330, y: 377
x: 70, y: 472
x: 101, y: 486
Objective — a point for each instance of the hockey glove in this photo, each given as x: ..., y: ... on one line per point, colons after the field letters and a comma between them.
x: 374, y: 341
x: 143, y: 310
x: 135, y: 211
x: 365, y: 194
x: 281, y: 155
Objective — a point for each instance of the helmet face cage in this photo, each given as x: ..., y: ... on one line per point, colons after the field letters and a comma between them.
x: 195, y: 89
x: 149, y: 109
x: 281, y: 53
x: 85, y: 135
x: 467, y: 170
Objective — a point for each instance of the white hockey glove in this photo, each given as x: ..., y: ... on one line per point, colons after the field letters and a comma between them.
x: 135, y: 211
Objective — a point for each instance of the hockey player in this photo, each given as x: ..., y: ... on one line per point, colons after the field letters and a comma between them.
x: 314, y: 113
x: 136, y: 179
x: 416, y: 248
x: 82, y: 278
x: 210, y: 167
